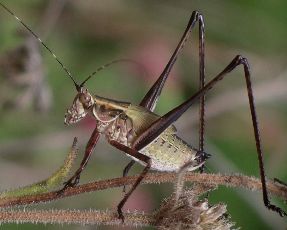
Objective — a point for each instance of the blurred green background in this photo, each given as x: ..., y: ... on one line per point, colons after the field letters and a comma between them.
x: 87, y: 34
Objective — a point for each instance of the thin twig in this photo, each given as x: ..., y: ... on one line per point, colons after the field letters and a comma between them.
x: 250, y: 183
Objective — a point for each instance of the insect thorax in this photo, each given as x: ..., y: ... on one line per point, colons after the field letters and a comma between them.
x: 114, y: 123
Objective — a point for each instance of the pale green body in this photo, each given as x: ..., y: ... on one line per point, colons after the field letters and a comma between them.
x: 124, y: 123
x: 168, y: 152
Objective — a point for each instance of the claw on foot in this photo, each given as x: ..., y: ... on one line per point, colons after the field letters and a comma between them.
x: 61, y: 191
x: 280, y: 182
x: 274, y: 208
x: 69, y: 184
x: 120, y: 215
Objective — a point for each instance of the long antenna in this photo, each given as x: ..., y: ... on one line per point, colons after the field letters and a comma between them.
x: 46, y: 47
x: 107, y: 65
x: 78, y: 87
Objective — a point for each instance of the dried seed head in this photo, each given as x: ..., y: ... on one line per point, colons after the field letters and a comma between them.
x: 191, y: 213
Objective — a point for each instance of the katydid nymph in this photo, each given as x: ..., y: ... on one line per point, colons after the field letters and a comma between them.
x: 146, y: 137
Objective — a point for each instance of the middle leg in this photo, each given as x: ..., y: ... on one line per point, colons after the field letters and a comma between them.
x: 134, y: 153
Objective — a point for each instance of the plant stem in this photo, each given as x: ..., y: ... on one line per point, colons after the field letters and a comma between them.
x: 246, y: 182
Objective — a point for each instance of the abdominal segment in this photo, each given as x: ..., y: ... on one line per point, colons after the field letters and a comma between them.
x: 169, y: 153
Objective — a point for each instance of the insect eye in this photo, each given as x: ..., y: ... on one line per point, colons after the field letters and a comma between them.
x: 84, y: 98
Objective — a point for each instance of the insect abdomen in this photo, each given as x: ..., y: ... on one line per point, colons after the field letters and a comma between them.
x: 169, y: 153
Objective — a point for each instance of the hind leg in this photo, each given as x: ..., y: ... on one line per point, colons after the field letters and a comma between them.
x: 150, y: 99
x: 165, y: 121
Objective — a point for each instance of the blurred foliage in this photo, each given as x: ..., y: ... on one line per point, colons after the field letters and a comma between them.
x: 90, y: 33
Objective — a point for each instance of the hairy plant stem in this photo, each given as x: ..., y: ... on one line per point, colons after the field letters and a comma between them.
x: 242, y: 181
x: 83, y: 217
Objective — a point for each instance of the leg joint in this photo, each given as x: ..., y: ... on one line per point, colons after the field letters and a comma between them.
x: 239, y: 59
x: 195, y: 14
